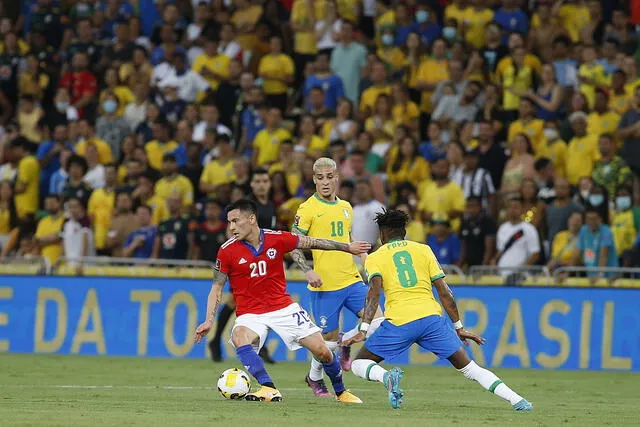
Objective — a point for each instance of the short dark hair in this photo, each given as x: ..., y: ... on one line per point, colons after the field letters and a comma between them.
x: 259, y: 171
x: 591, y: 209
x: 358, y: 153
x: 169, y: 157
x: 244, y: 205
x: 79, y: 161
x: 541, y: 163
x: 394, y: 221
x: 147, y: 207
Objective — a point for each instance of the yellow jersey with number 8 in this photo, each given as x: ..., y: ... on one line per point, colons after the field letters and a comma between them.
x: 408, y: 270
x: 329, y: 220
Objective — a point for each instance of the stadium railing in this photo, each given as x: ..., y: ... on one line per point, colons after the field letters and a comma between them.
x: 133, y: 267
x: 608, y: 277
x: 23, y: 266
x: 511, y: 276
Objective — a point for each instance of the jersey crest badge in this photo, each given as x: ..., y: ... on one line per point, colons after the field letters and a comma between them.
x: 271, y: 253
x: 323, y: 322
x: 346, y: 213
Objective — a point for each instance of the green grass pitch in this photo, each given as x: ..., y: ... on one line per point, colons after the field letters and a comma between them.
x: 100, y: 391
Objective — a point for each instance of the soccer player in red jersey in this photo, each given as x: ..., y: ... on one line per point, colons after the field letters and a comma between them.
x: 253, y: 263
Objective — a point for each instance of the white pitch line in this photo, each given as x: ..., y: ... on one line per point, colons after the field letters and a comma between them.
x: 151, y: 387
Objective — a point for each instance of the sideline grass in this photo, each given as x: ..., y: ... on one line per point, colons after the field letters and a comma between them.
x: 109, y: 391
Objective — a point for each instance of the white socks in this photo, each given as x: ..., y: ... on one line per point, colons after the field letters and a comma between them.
x: 368, y: 370
x: 315, y: 373
x: 375, y: 324
x: 489, y: 381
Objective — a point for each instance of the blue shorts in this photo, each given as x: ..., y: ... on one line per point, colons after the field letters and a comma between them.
x: 433, y: 333
x: 326, y: 306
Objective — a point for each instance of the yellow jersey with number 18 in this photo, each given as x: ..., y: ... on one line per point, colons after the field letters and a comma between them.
x: 329, y: 220
x: 408, y: 270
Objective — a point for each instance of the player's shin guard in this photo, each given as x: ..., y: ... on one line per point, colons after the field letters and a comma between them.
x: 368, y: 370
x: 334, y: 372
x: 490, y: 381
x: 315, y: 373
x: 254, y: 364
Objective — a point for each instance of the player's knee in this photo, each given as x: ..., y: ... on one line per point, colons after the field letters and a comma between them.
x: 239, y: 338
x: 324, y: 355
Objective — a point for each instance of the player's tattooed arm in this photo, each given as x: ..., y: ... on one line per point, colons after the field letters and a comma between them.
x: 450, y: 306
x: 298, y: 256
x: 373, y: 299
x: 213, y: 300
x: 355, y: 248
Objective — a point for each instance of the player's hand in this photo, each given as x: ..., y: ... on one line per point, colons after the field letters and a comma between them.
x: 202, y: 331
x: 357, y: 248
x: 359, y: 337
x: 314, y: 279
x: 465, y: 336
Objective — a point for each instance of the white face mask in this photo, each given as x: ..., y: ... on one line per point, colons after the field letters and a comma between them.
x: 551, y: 134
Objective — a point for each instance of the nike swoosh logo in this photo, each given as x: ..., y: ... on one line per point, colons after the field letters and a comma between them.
x: 319, y: 215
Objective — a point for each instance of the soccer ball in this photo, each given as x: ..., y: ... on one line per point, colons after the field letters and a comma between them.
x: 234, y: 384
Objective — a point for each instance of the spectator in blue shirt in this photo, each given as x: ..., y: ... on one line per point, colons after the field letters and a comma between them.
x: 565, y: 66
x: 426, y: 25
x: 444, y: 244
x: 253, y: 121
x: 512, y: 19
x: 329, y: 82
x: 48, y: 156
x: 596, y: 244
x: 59, y: 178
x: 139, y: 244
x: 404, y: 24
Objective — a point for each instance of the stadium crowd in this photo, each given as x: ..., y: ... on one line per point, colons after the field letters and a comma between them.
x: 509, y: 130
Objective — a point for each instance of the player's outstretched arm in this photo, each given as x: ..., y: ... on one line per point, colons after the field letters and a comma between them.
x: 370, y: 308
x: 450, y: 306
x: 213, y: 301
x: 355, y: 248
x: 301, y: 261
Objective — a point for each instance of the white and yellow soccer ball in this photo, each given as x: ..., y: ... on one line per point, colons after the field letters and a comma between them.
x: 234, y: 384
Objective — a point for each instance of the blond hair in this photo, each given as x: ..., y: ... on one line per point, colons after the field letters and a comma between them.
x: 324, y: 161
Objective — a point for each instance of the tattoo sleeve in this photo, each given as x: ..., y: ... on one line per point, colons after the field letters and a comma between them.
x: 298, y: 256
x: 373, y: 299
x: 306, y: 242
x: 215, y: 294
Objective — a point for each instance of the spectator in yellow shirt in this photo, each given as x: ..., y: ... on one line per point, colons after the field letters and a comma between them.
x: 433, y: 71
x: 564, y: 248
x: 47, y: 235
x: 385, y: 18
x: 573, y: 16
x: 303, y: 22
x: 219, y: 171
x: 591, y: 75
x: 405, y: 112
x: 145, y: 194
x: 245, y: 18
x: 441, y: 195
x: 86, y: 133
x: 407, y: 166
x: 619, y: 98
x: 381, y: 125
x: 100, y: 209
x: 174, y: 184
x: 456, y: 10
x: 530, y: 126
x: 602, y: 120
x: 307, y: 137
x: 211, y: 65
x: 277, y: 71
x: 378, y: 87
x: 516, y: 79
x: 392, y: 56
x: 161, y: 145
x: 266, y: 145
x: 27, y: 186
x: 475, y: 18
x: 583, y: 151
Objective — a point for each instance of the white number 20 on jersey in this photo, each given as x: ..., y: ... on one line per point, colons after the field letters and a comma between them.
x: 258, y: 268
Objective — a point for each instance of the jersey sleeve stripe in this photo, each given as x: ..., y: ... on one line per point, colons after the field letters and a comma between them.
x: 302, y: 230
x: 228, y: 242
x: 439, y: 276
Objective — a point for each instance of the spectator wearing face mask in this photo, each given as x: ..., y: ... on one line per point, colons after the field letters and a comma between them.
x: 625, y: 224
x: 109, y: 126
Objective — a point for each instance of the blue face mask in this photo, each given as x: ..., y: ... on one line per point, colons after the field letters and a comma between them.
x: 109, y: 106
x: 449, y: 33
x: 387, y: 39
x: 596, y: 199
x: 623, y: 203
x: 422, y: 16
x: 62, y: 106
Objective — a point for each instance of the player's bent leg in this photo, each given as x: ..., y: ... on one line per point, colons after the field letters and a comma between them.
x: 366, y: 366
x: 316, y: 345
x: 325, y: 308
x: 488, y: 380
x: 314, y: 378
x: 244, y: 339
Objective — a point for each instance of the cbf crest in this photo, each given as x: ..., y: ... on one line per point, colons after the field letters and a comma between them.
x: 346, y: 213
x: 271, y: 253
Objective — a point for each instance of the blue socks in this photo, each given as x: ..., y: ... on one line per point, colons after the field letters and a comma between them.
x: 255, y: 365
x: 334, y: 372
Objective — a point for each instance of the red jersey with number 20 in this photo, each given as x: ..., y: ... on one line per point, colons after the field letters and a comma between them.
x: 257, y: 276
